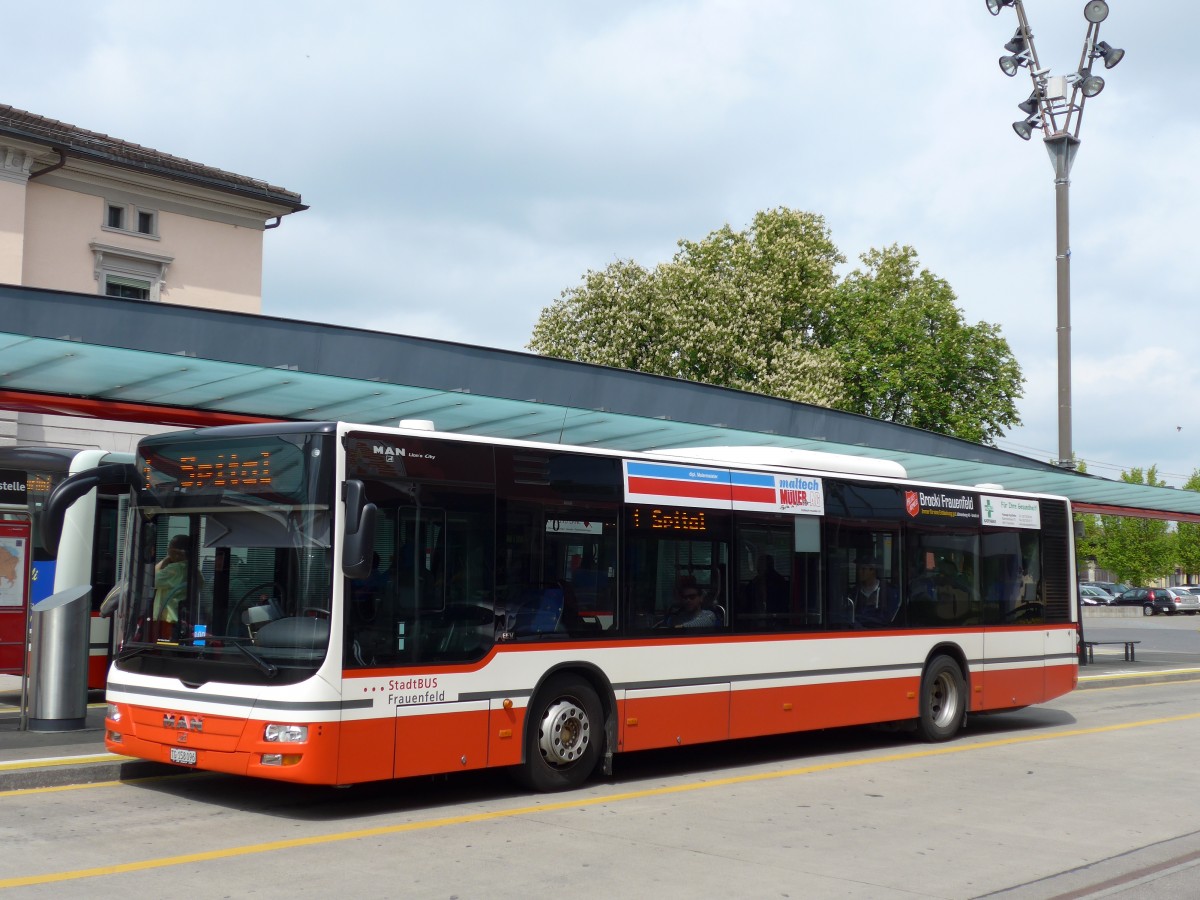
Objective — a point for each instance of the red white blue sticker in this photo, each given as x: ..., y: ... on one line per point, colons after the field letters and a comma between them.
x: 677, y: 485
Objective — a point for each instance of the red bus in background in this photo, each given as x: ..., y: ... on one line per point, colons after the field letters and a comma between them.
x: 86, y: 558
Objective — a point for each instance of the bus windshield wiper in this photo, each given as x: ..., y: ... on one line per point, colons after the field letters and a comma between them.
x: 131, y: 652
x: 263, y: 666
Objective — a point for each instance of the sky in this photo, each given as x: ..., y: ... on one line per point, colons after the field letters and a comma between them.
x: 466, y: 162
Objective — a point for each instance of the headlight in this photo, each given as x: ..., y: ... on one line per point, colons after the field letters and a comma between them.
x: 114, y: 713
x: 286, y: 734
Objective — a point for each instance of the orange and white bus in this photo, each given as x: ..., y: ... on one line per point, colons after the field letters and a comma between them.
x: 329, y: 603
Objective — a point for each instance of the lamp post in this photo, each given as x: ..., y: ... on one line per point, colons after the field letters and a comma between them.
x: 1056, y: 107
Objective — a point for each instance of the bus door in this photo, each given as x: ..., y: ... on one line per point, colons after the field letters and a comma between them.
x: 1013, y: 608
x: 107, y: 547
x: 414, y: 625
x: 114, y: 607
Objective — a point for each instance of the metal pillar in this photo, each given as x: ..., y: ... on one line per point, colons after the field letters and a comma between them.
x: 60, y: 625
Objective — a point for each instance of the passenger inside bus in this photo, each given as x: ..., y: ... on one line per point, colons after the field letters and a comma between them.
x: 875, y: 602
x: 941, y: 594
x: 689, y: 610
x: 767, y: 592
x: 170, y: 588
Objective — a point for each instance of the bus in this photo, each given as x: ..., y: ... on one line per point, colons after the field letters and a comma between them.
x: 87, y: 556
x: 330, y: 603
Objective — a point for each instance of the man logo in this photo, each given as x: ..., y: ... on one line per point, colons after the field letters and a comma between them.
x: 182, y: 722
x: 390, y: 454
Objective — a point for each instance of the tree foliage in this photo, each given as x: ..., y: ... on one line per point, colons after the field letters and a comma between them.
x: 908, y: 356
x: 763, y: 310
x: 1134, y: 549
x: 733, y: 309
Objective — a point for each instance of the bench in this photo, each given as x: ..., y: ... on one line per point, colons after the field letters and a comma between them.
x: 1091, y: 645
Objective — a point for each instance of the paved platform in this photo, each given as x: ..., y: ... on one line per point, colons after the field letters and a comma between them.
x: 34, y: 759
x: 37, y: 759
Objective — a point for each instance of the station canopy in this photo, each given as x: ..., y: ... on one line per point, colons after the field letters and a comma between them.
x: 131, y: 360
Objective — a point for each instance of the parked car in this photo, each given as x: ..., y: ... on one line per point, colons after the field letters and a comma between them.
x: 1094, y: 596
x: 1160, y: 600
x: 1115, y: 588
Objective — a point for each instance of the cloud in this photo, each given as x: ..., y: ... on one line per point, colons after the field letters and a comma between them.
x: 467, y: 162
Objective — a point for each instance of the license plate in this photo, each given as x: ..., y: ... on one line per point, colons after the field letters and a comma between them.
x: 184, y: 757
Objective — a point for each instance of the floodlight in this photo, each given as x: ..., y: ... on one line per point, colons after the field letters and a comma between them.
x: 1111, y: 55
x: 994, y: 6
x: 1029, y: 107
x: 1010, y: 64
x: 1024, y: 129
x: 1017, y: 44
x: 1096, y: 11
x: 1090, y: 85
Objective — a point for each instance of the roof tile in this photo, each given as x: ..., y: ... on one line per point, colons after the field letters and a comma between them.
x: 94, y: 145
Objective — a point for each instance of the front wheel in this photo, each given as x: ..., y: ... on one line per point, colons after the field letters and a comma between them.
x: 1148, y: 610
x: 943, y: 700
x: 564, y: 735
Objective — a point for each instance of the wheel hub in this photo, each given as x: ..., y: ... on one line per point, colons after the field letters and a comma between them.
x: 565, y: 733
x: 943, y: 699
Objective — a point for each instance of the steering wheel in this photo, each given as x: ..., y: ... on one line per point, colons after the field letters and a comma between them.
x: 314, y: 612
x: 273, y: 590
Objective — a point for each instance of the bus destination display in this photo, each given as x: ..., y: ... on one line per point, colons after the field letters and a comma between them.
x: 215, y: 471
x: 656, y: 518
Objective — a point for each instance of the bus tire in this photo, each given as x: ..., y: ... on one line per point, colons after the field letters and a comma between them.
x: 943, y: 700
x: 564, y: 735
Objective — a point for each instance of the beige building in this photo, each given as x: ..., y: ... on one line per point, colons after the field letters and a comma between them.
x: 85, y: 212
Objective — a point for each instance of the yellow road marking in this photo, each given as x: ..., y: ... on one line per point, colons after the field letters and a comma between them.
x: 50, y: 762
x: 1096, y: 686
x: 578, y: 803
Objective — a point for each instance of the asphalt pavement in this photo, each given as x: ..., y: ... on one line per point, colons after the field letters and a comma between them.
x: 40, y: 759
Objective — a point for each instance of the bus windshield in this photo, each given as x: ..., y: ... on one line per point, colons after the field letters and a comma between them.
x: 231, y: 574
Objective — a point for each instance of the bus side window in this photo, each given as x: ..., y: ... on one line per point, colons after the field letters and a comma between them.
x: 671, y: 552
x: 943, y: 571
x: 778, y: 586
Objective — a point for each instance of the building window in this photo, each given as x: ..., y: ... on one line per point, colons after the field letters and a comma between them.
x: 131, y: 274
x: 129, y: 288
x: 131, y: 219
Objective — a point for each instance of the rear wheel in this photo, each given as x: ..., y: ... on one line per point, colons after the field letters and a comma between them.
x: 564, y: 735
x: 943, y: 700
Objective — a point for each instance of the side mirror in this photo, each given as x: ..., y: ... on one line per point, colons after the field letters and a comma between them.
x: 71, y: 489
x: 358, y: 539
